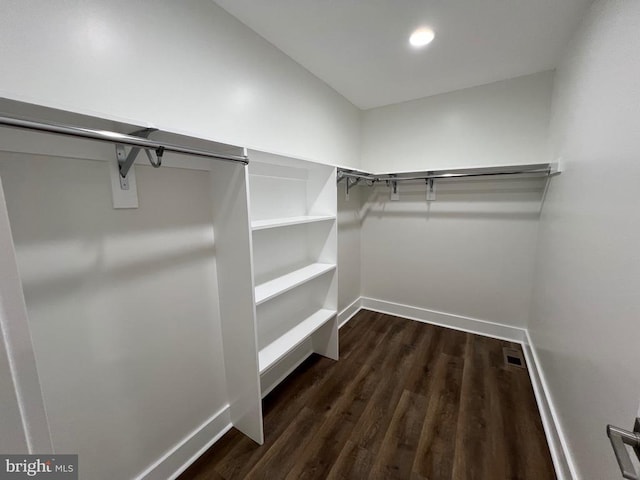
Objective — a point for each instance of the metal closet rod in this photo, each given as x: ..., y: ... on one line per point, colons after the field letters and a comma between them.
x: 115, y: 137
x: 537, y: 170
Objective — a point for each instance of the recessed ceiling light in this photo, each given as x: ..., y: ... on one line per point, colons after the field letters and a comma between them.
x: 421, y: 37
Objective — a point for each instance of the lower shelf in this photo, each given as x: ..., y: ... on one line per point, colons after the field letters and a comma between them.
x: 273, y: 352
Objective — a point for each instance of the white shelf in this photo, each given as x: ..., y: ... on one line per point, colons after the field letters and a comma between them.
x: 280, y: 285
x: 273, y: 352
x: 286, y: 221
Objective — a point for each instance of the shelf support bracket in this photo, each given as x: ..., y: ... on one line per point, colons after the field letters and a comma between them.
x: 431, y: 189
x: 394, y: 189
x: 351, y: 182
x: 125, y: 161
x: 124, y: 191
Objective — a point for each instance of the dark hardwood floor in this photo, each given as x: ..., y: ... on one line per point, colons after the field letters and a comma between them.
x: 406, y: 400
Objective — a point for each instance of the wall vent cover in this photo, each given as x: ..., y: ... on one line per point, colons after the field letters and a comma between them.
x: 513, y: 357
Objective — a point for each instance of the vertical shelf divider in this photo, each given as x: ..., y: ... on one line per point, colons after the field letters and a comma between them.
x: 232, y: 238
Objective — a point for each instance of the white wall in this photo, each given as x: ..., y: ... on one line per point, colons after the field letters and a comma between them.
x: 14, y: 437
x: 501, y: 123
x: 122, y: 306
x: 23, y: 420
x: 349, y: 241
x: 586, y: 304
x: 468, y: 253
x: 187, y: 67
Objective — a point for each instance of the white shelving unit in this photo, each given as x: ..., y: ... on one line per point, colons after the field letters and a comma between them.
x: 294, y: 246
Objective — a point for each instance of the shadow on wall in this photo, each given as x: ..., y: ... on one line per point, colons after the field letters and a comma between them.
x: 70, y: 219
x: 68, y: 283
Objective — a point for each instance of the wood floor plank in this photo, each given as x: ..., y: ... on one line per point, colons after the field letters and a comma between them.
x: 471, y: 450
x: 336, y: 429
x: 434, y: 458
x: 392, y: 371
x: 429, y: 350
x: 397, y: 453
x: 280, y: 458
x: 405, y: 400
x: 347, y: 409
x: 352, y: 462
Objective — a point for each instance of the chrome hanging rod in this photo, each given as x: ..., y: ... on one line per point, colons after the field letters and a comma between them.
x: 117, y: 138
x: 538, y: 170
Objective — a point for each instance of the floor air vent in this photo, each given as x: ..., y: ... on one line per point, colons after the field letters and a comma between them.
x: 513, y: 357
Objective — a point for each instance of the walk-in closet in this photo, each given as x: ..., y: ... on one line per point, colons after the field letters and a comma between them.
x: 320, y: 240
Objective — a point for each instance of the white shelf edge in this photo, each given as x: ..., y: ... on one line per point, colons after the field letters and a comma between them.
x: 287, y: 221
x: 276, y: 350
x: 271, y: 289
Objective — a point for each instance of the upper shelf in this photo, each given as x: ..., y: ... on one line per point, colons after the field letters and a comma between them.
x: 36, y: 118
x: 287, y: 221
x: 536, y: 170
x: 287, y: 192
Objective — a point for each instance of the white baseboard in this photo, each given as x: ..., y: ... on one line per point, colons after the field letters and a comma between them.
x: 349, y: 312
x: 449, y: 320
x: 189, y: 449
x: 560, y: 452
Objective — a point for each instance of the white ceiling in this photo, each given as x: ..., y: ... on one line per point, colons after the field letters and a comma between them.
x: 360, y: 47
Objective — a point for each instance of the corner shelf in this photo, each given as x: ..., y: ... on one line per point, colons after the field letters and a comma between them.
x: 276, y: 350
x: 287, y: 221
x: 277, y: 286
